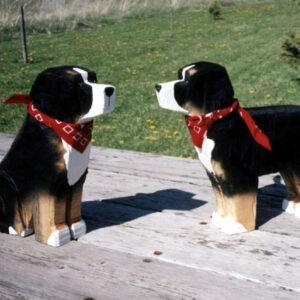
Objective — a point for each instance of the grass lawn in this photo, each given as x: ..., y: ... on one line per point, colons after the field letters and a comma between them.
x: 136, y: 54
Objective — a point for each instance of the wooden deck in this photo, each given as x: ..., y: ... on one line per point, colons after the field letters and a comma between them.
x: 150, y: 237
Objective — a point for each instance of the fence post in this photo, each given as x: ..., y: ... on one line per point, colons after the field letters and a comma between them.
x: 23, y: 35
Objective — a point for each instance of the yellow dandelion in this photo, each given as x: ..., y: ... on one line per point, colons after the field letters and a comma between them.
x: 156, y: 132
x: 149, y: 121
x: 251, y: 92
x: 147, y: 138
x: 96, y: 126
x: 190, y: 157
x: 268, y: 96
x: 180, y: 120
x: 153, y: 94
x: 93, y: 140
x: 280, y: 99
x: 167, y: 131
x: 154, y: 139
x: 180, y: 155
x: 108, y: 127
x: 289, y: 92
x: 152, y: 127
x: 175, y: 132
x: 169, y: 136
x: 121, y: 142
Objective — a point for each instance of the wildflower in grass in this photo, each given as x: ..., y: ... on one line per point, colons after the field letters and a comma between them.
x: 154, y: 139
x: 150, y: 121
x: 156, y: 132
x: 169, y: 136
x: 190, y: 157
x: 152, y: 127
x: 179, y: 120
x: 268, y: 96
x: 280, y: 99
x: 93, y: 140
x: 153, y: 94
x: 113, y: 127
x: 180, y: 155
x: 289, y: 92
x: 121, y: 142
x: 108, y: 127
x: 175, y: 132
x: 147, y: 138
x: 167, y: 131
x: 251, y: 91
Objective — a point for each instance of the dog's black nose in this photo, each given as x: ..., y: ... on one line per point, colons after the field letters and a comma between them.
x: 158, y: 87
x: 109, y: 91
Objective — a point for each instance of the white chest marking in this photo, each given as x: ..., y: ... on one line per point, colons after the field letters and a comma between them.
x: 204, y: 153
x: 76, y: 162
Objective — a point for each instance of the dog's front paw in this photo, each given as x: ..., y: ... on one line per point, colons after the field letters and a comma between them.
x: 297, y: 210
x: 59, y: 237
x: 25, y: 232
x: 226, y: 225
x: 78, y: 229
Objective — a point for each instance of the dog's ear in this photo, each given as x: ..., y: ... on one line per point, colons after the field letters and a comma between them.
x: 55, y: 92
x: 210, y: 87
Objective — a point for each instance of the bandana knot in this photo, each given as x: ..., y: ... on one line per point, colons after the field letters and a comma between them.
x: 76, y: 135
x: 198, y: 125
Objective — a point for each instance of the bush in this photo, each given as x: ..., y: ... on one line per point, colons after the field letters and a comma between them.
x: 290, y: 49
x: 215, y: 10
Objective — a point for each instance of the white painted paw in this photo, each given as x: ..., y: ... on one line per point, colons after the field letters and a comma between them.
x: 59, y: 237
x: 226, y: 225
x: 12, y: 231
x: 24, y: 233
x: 78, y: 229
x: 288, y: 206
x: 297, y: 210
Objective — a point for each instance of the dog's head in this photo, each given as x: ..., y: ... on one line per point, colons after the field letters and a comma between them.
x: 72, y: 94
x: 201, y: 87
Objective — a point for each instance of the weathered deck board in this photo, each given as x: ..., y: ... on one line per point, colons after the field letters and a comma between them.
x: 136, y: 204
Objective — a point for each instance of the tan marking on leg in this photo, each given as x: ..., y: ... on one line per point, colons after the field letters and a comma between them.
x: 74, y: 202
x: 49, y: 215
x: 241, y: 208
x: 290, y: 183
x: 23, y: 216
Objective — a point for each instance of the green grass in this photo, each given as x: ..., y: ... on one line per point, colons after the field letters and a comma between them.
x: 136, y: 54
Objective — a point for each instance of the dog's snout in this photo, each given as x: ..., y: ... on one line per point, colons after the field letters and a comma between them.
x: 158, y: 87
x: 109, y: 91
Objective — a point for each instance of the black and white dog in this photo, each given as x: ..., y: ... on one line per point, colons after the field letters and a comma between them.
x: 235, y: 145
x: 42, y: 175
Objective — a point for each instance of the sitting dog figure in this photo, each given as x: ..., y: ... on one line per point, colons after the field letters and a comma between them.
x: 42, y: 175
x: 235, y: 145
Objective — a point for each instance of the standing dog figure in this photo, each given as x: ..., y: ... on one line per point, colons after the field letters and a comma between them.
x: 42, y: 175
x: 235, y: 145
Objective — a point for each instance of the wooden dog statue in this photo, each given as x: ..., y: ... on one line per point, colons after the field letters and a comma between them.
x: 42, y: 175
x: 235, y: 145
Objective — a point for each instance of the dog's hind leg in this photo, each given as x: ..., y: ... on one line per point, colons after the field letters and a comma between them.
x: 292, y: 202
x: 15, y: 216
x: 76, y: 223
x: 49, y: 216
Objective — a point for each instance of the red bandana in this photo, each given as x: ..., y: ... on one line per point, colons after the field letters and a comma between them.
x: 198, y: 125
x: 76, y: 135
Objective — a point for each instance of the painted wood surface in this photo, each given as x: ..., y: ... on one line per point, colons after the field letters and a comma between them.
x: 150, y: 237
